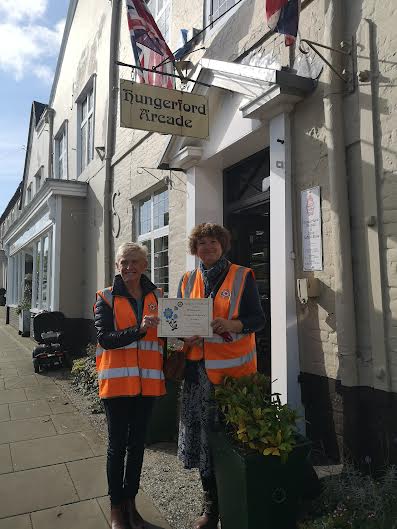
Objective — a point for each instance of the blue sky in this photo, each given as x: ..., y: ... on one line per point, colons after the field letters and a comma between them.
x: 30, y: 35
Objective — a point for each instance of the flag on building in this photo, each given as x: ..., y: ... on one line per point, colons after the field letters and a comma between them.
x: 149, y: 46
x: 283, y: 17
x: 185, y: 44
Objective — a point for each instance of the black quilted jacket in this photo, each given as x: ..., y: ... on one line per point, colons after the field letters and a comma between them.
x: 108, y: 337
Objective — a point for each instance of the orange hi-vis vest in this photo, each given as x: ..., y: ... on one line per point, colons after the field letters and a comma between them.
x: 237, y: 357
x: 136, y: 368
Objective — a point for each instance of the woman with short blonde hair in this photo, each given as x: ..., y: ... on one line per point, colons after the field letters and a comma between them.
x: 129, y: 363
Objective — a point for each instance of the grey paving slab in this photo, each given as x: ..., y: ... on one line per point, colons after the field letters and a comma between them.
x: 16, y: 522
x: 5, y: 459
x: 4, y: 413
x: 47, y: 487
x: 8, y: 371
x: 12, y: 395
x: 26, y: 369
x: 69, y: 422
x: 4, y: 362
x: 60, y: 404
x: 28, y: 409
x: 42, y: 392
x: 49, y: 451
x: 89, y: 477
x: 24, y: 429
x: 44, y: 380
x: 152, y: 517
x: 81, y: 515
x: 1, y: 383
x: 25, y: 381
x: 98, y: 446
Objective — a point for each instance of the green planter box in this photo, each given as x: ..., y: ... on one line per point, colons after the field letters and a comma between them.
x: 258, y: 492
x: 163, y: 424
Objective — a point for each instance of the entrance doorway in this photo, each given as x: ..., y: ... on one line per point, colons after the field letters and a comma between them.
x: 247, y: 216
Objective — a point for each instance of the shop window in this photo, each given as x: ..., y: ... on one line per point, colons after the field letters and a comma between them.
x: 86, y: 114
x: 41, y: 272
x: 61, y: 154
x: 153, y: 233
x: 161, y: 11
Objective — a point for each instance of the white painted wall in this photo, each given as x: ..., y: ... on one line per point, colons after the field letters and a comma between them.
x: 38, y: 156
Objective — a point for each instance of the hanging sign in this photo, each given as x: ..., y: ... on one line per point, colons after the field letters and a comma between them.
x: 148, y: 107
x: 312, y: 243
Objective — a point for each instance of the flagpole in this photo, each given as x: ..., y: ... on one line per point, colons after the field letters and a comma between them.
x: 187, y: 79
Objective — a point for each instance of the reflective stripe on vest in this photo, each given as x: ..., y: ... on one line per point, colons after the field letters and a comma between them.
x: 190, y: 283
x: 230, y: 362
x: 119, y: 372
x: 135, y: 368
x: 144, y: 346
x: 238, y: 356
x: 106, y: 294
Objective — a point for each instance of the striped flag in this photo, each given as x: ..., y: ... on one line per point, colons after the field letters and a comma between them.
x: 149, y: 46
x: 283, y: 17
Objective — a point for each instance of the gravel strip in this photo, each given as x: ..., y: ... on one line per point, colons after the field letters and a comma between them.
x: 176, y: 492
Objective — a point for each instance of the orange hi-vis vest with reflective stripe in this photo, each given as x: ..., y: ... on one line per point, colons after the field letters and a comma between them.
x: 237, y: 357
x: 136, y: 368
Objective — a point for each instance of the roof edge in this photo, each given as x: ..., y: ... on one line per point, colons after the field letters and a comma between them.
x: 13, y: 200
x: 65, y: 37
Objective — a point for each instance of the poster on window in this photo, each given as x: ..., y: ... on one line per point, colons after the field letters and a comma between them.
x: 312, y: 242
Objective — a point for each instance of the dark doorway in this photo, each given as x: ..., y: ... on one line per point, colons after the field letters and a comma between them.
x: 246, y: 215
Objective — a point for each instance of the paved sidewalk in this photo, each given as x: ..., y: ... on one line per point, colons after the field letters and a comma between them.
x: 52, y: 463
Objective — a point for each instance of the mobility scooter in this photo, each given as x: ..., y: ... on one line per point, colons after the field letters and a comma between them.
x: 49, y: 329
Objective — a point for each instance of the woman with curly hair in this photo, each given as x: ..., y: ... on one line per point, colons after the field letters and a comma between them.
x: 237, y: 315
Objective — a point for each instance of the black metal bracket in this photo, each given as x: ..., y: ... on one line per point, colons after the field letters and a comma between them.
x: 346, y: 50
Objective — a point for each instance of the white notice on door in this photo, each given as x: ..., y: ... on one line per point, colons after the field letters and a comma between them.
x: 312, y: 242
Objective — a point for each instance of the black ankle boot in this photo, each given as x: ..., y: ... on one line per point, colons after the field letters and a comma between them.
x: 210, y: 514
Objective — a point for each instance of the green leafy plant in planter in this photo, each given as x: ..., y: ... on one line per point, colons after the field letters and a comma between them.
x: 26, y: 303
x: 257, y: 419
x: 23, y: 305
x: 261, y: 461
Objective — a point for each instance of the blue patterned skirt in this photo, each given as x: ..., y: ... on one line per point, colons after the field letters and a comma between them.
x: 198, y: 416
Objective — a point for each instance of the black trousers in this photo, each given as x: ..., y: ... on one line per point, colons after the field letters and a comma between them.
x: 127, y: 419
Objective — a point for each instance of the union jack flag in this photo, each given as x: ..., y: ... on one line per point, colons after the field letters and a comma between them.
x: 149, y: 46
x: 283, y: 17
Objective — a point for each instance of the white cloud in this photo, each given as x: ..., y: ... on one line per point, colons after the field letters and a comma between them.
x: 25, y: 48
x: 23, y: 9
x: 44, y: 73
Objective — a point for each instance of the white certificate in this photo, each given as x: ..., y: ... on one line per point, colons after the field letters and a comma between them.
x: 185, y: 317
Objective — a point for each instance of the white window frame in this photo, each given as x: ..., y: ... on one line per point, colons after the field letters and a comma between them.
x: 209, y: 16
x: 84, y: 96
x: 59, y: 156
x: 153, y: 234
x: 15, y: 279
x: 29, y: 193
x: 153, y: 7
x: 38, y: 180
x: 37, y: 286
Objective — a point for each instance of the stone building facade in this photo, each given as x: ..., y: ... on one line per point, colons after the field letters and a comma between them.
x: 281, y: 122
